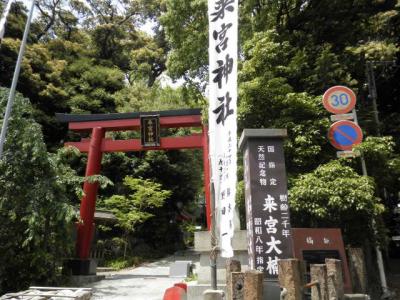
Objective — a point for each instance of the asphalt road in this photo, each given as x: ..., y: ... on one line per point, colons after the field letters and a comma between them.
x: 147, y: 282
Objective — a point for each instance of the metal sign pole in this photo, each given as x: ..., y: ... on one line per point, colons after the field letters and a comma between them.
x: 213, y: 254
x: 11, y: 95
x: 374, y: 94
x: 379, y: 258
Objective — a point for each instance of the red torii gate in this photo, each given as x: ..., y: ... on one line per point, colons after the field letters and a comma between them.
x: 98, y: 124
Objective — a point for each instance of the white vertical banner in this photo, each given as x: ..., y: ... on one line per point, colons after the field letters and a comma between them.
x: 223, y: 55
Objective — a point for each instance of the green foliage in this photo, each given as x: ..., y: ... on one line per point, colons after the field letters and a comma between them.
x: 79, y: 56
x: 188, y: 228
x: 91, y: 87
x: 334, y: 195
x: 101, y: 180
x: 121, y: 263
x: 139, y: 97
x: 40, y: 81
x: 186, y: 24
x: 301, y: 113
x: 34, y: 212
x: 16, y: 20
x: 66, y: 176
x: 133, y: 208
x: 178, y: 171
x: 240, y: 203
x: 136, y: 206
x: 382, y: 162
x: 191, y: 277
x: 148, y: 62
x: 376, y: 51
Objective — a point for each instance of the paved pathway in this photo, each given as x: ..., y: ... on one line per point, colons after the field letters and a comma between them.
x: 147, y: 282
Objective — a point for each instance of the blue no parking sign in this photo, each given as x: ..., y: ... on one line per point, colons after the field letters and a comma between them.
x: 343, y: 135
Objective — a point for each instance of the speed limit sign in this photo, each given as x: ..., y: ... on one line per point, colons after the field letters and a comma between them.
x: 339, y: 99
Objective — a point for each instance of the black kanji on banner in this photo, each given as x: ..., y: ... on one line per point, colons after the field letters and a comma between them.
x: 267, y: 207
x: 150, y: 130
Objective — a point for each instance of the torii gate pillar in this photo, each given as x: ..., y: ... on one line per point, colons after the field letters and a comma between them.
x: 88, y: 202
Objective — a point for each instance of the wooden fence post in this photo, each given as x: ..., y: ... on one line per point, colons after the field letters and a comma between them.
x: 231, y: 266
x: 335, y: 279
x: 290, y: 277
x: 253, y: 285
x: 319, y: 291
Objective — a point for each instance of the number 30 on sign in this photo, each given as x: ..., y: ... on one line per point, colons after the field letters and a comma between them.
x: 339, y: 99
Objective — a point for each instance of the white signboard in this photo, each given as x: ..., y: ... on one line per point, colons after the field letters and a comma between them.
x: 340, y: 117
x: 223, y: 37
x: 347, y: 153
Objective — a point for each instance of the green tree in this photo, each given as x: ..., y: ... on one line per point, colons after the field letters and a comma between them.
x: 148, y: 61
x: 186, y: 24
x: 136, y: 97
x: 134, y: 208
x: 58, y: 18
x: 334, y: 195
x: 322, y: 42
x: 382, y: 163
x: 35, y: 215
x: 40, y: 80
x: 16, y: 20
x: 91, y: 88
x: 78, y: 56
x: 115, y: 35
x: 268, y: 100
